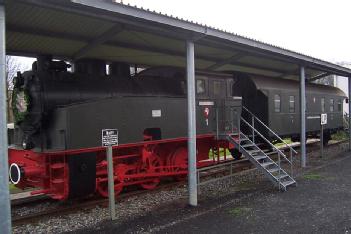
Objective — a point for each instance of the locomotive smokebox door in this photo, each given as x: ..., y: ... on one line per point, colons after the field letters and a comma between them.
x: 82, y: 174
x: 229, y: 113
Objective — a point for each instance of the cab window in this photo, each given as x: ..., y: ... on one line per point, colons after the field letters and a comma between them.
x: 200, y: 86
x: 217, y: 88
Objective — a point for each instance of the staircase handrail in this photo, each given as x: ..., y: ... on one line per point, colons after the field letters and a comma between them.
x: 278, y: 137
x: 264, y: 138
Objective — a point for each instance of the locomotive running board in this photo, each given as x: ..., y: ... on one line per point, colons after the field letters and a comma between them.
x: 271, y: 169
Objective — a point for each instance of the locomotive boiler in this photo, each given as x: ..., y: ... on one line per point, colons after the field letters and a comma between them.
x: 60, y: 115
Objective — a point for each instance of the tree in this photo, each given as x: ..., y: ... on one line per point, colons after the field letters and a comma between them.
x: 12, y: 66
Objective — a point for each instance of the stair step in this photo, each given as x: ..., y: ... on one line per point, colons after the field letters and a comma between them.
x: 57, y: 165
x: 287, y: 183
x: 253, y: 151
x: 243, y: 139
x: 248, y: 145
x: 267, y: 164
x: 271, y: 152
x: 281, y: 176
x: 57, y: 181
x: 260, y: 157
x: 273, y: 170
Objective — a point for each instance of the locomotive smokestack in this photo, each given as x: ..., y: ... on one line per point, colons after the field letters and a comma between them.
x: 42, y: 63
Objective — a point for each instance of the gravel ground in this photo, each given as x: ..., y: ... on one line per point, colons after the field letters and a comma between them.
x: 138, y: 206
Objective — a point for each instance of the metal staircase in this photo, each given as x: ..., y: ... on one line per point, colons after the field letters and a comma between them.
x: 262, y: 161
x: 274, y: 163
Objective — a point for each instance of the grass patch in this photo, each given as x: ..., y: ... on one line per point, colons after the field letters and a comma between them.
x: 286, y: 141
x: 239, y: 211
x: 312, y: 176
x: 339, y: 136
x: 221, y: 153
x: 14, y: 189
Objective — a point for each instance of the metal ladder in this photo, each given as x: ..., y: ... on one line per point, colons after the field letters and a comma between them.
x: 261, y: 159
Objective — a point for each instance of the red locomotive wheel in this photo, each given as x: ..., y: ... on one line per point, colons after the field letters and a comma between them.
x: 179, y: 162
x: 102, y: 188
x: 154, y: 162
x: 119, y: 171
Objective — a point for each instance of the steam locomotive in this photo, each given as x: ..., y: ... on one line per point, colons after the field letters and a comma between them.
x: 60, y: 115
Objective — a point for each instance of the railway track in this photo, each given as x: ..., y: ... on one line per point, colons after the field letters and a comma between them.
x: 66, y: 208
x: 240, y: 167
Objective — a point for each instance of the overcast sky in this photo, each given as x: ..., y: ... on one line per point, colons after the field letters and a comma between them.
x: 320, y: 28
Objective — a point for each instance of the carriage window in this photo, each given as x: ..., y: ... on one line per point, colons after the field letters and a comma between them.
x: 331, y: 105
x: 291, y: 104
x: 276, y: 103
x: 322, y: 105
x: 200, y: 86
x: 216, y: 88
x: 339, y: 105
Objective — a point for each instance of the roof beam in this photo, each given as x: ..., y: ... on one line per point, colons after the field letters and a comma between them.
x: 259, y: 67
x: 320, y: 76
x: 255, y: 52
x: 289, y: 73
x: 226, y: 61
x: 104, y: 37
x: 115, y: 12
x: 40, y: 32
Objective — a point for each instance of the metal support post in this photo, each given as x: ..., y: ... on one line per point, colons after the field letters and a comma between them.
x: 321, y: 140
x: 111, y: 183
x: 302, y: 117
x: 5, y: 209
x: 253, y: 129
x: 349, y: 119
x: 192, y: 183
x: 217, y: 124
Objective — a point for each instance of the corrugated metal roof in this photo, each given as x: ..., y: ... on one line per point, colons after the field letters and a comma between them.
x: 65, y: 28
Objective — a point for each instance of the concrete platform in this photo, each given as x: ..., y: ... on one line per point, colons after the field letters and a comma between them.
x: 321, y: 203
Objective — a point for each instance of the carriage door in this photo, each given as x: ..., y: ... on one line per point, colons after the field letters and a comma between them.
x: 228, y: 108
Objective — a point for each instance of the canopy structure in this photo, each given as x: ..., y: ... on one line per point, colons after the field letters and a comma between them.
x: 102, y: 29
x: 72, y: 29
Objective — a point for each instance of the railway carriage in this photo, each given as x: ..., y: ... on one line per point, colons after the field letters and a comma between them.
x: 276, y: 103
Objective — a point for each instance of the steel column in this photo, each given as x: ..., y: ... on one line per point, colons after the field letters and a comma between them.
x: 5, y: 212
x: 192, y: 183
x: 111, y: 183
x: 349, y: 113
x: 302, y: 117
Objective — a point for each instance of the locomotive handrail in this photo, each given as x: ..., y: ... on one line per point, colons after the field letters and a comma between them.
x: 279, y: 138
x: 278, y: 150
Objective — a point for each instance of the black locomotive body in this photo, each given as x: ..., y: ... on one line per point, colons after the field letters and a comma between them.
x: 276, y: 102
x: 60, y: 115
x: 68, y: 110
